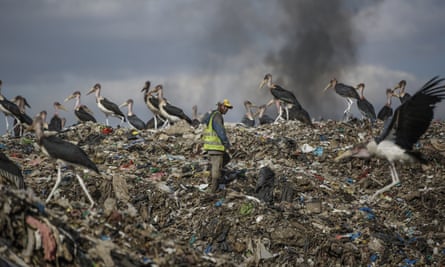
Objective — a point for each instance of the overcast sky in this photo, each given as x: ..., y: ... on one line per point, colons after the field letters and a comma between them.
x: 203, y: 51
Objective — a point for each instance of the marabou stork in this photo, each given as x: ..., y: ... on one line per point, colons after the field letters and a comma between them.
x: 11, y: 109
x: 132, y: 119
x: 262, y: 117
x: 106, y: 106
x: 43, y: 115
x: 26, y: 120
x: 409, y: 122
x: 346, y: 91
x: 280, y: 95
x: 365, y: 107
x: 402, y: 95
x: 82, y: 112
x: 152, y: 103
x: 248, y: 118
x: 172, y: 113
x: 57, y: 123
x: 10, y: 172
x: 65, y: 154
x: 386, y: 110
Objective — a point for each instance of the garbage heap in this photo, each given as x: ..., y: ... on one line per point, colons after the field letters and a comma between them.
x: 283, y: 200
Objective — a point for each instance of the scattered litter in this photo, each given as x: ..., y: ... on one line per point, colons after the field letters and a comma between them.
x: 284, y: 201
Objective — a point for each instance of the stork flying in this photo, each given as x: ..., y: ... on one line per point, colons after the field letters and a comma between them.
x: 409, y: 123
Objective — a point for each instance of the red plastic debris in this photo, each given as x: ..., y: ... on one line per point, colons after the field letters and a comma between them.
x: 107, y: 130
x: 49, y: 243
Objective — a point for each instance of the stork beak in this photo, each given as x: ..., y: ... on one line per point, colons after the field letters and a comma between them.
x: 92, y: 90
x: 270, y: 102
x: 346, y: 154
x: 62, y: 107
x: 68, y: 98
x: 263, y: 82
x: 327, y: 87
x: 123, y: 104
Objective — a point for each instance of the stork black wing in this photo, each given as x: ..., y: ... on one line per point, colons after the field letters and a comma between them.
x: 11, y: 171
x: 412, y: 118
x: 346, y: 91
x: 173, y: 110
x: 55, y: 124
x: 154, y: 101
x: 136, y: 122
x: 284, y: 95
x: 11, y: 107
x: 84, y: 115
x: 69, y: 152
x: 112, y: 107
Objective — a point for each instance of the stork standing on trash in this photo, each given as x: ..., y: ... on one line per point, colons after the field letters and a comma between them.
x: 82, y: 112
x: 106, y: 106
x: 409, y: 122
x: 280, y: 95
x: 65, y: 154
x: 346, y: 91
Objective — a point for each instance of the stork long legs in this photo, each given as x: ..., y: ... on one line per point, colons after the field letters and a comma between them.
x: 7, y: 124
x: 59, y: 179
x: 394, y: 177
x: 347, y: 112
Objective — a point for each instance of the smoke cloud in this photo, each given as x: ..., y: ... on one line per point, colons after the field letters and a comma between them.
x: 321, y: 43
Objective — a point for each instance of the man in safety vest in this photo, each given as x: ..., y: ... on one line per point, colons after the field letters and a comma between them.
x: 216, y: 142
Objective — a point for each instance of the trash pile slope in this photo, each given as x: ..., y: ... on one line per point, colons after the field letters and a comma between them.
x: 282, y: 200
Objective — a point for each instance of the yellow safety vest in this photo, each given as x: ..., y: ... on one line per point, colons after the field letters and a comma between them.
x: 211, y: 139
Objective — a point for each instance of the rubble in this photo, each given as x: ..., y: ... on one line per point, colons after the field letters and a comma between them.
x: 283, y: 201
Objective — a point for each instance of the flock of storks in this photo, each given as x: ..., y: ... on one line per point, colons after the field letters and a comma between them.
x: 402, y: 128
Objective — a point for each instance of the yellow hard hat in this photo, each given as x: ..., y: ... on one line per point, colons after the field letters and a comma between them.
x: 226, y: 103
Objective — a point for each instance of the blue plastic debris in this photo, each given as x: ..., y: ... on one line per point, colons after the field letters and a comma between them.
x: 369, y: 213
x: 318, y: 151
x: 208, y: 249
x: 219, y: 203
x: 146, y: 260
x: 349, y: 180
x: 104, y: 237
x: 354, y: 236
x: 410, y: 262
